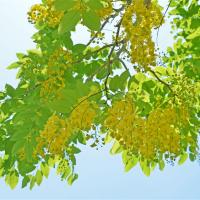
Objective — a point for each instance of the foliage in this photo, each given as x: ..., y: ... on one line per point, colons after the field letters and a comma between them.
x: 91, y: 94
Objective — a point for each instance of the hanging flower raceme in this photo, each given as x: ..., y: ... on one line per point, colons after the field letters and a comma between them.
x: 45, y: 14
x: 159, y: 133
x: 58, y: 131
x: 138, y: 22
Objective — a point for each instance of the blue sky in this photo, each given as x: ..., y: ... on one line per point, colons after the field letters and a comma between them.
x: 101, y: 175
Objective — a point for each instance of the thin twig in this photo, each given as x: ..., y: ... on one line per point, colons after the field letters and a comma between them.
x: 92, y: 95
x: 110, y: 55
x: 160, y: 80
x: 123, y: 63
x: 161, y: 21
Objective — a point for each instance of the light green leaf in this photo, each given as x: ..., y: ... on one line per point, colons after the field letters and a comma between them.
x: 45, y: 169
x: 145, y: 168
x: 183, y: 158
x: 78, y: 48
x: 69, y: 22
x: 107, y: 139
x: 17, y: 146
x: 72, y: 178
x: 119, y: 82
x: 32, y: 183
x: 64, y: 4
x: 194, y: 34
x: 12, y: 179
x: 1, y: 171
x: 13, y: 65
x: 160, y: 70
x: 132, y: 162
x: 28, y: 151
x: 2, y: 95
x: 148, y: 86
x: 10, y: 90
x: 94, y: 4
x: 161, y: 165
x: 116, y: 148
x: 91, y: 20
x: 140, y: 77
x: 39, y: 177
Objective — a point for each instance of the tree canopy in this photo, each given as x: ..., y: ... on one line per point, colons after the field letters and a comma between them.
x: 116, y: 88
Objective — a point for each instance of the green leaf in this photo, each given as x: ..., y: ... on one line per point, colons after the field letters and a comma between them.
x: 183, y: 158
x: 67, y: 41
x: 132, y: 162
x: 25, y: 167
x: 69, y: 22
x: 161, y: 165
x: 10, y: 90
x: 34, y: 52
x: 192, y: 157
x: 161, y: 70
x: 94, y: 4
x: 78, y: 48
x: 64, y: 4
x: 75, y: 150
x: 2, y: 95
x: 153, y: 166
x: 73, y: 159
x: 140, y: 77
x: 51, y: 162
x: 116, y: 148
x: 1, y: 172
x: 81, y: 138
x: 75, y: 90
x: 66, y: 172
x: 107, y: 139
x: 28, y: 151
x: 144, y: 107
x: 119, y: 82
x: 72, y: 178
x: 145, y: 168
x: 91, y: 20
x: 45, y: 169
x: 148, y: 86
x: 194, y: 34
x: 19, y: 134
x: 13, y: 65
x: 25, y: 181
x: 17, y: 146
x: 32, y: 183
x: 12, y: 179
x: 39, y: 177
x: 20, y: 56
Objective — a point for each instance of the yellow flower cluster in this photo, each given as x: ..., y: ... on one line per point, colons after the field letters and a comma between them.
x: 57, y: 131
x: 57, y: 64
x: 106, y: 11
x: 185, y: 89
x: 41, y: 13
x: 83, y: 115
x: 158, y: 133
x: 138, y: 21
x: 61, y: 58
x: 46, y: 14
x: 52, y: 86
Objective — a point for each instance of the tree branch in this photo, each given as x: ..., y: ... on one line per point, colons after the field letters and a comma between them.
x: 110, y: 55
